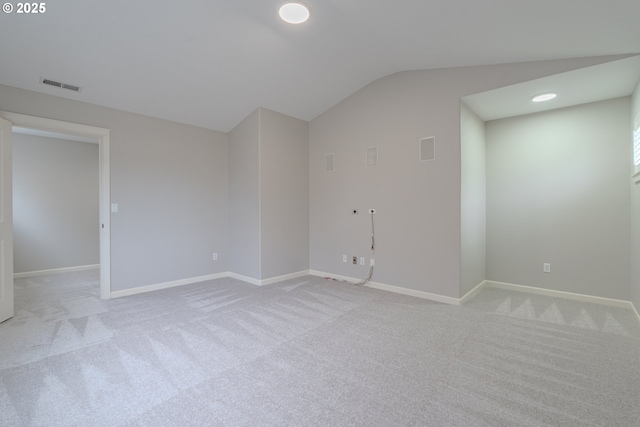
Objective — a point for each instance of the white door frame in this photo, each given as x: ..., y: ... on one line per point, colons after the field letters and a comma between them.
x: 7, y: 309
x: 102, y: 135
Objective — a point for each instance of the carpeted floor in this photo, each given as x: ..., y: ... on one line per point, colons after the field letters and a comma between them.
x: 311, y: 352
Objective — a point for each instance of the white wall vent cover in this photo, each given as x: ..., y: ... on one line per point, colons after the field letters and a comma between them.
x: 61, y: 85
x: 427, y: 148
x: 372, y: 157
x: 329, y: 162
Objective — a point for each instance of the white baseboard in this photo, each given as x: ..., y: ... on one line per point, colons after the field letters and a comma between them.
x: 485, y: 284
x: 264, y: 282
x: 636, y: 311
x: 414, y: 293
x: 189, y: 281
x: 375, y: 285
x: 473, y: 292
x: 333, y: 276
x: 390, y: 288
x: 56, y: 271
x: 561, y: 294
x: 166, y: 285
x: 273, y: 280
x: 242, y: 278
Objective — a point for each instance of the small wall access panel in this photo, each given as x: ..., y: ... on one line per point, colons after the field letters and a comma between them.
x: 427, y: 148
x: 329, y: 162
x: 372, y: 157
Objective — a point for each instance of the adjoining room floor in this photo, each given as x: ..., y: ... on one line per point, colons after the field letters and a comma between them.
x: 311, y: 351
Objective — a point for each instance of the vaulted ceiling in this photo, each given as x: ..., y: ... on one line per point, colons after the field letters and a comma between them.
x: 210, y: 63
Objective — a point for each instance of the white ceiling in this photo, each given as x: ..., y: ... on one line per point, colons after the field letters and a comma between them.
x: 211, y: 62
x: 605, y: 81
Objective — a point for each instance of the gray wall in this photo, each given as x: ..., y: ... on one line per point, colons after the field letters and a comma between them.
x: 418, y: 220
x: 473, y: 194
x: 558, y: 192
x: 244, y: 197
x: 55, y: 203
x: 170, y: 181
x: 635, y: 218
x: 284, y: 190
x: 269, y: 195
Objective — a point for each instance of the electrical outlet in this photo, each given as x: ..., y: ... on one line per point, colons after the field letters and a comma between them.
x: 355, y: 260
x: 372, y: 262
x: 372, y: 211
x: 215, y: 256
x: 354, y: 211
x: 546, y: 267
x: 344, y: 258
x: 361, y: 260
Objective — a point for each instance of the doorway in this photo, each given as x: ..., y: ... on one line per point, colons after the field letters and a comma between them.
x: 55, y: 203
x: 100, y: 135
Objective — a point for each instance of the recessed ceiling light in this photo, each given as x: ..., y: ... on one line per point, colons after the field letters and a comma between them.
x: 294, y: 12
x: 543, y: 97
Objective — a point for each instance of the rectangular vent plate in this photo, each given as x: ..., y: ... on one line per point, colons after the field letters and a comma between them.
x: 329, y: 162
x: 427, y: 149
x: 372, y: 157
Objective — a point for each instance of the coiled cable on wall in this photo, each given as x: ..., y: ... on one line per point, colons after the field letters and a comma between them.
x: 373, y: 250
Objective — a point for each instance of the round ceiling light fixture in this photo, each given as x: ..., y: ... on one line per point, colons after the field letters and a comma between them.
x: 294, y: 12
x: 543, y: 97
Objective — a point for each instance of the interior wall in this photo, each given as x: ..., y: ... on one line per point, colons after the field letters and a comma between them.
x: 170, y: 181
x: 244, y: 197
x: 55, y: 203
x: 418, y: 203
x: 473, y: 194
x: 284, y: 194
x: 558, y: 193
x: 635, y: 218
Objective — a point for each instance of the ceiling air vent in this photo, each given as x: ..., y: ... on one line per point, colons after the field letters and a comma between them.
x: 61, y: 85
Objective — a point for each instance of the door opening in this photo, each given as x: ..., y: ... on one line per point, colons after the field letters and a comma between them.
x: 100, y: 135
x: 55, y: 203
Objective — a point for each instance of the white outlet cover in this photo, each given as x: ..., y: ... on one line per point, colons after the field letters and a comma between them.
x: 344, y: 258
x: 361, y: 260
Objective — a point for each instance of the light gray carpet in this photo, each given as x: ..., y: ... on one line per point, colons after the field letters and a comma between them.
x: 311, y: 352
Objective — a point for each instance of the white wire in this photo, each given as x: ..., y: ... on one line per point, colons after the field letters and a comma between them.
x: 373, y: 251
